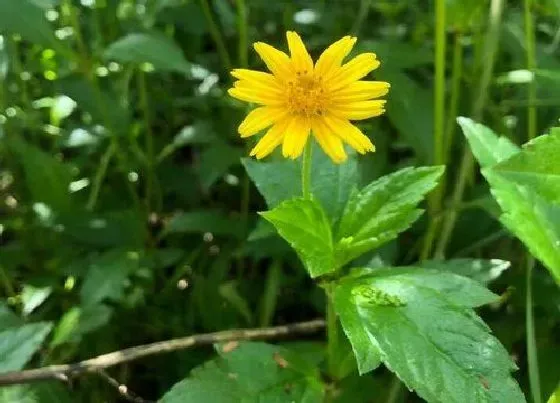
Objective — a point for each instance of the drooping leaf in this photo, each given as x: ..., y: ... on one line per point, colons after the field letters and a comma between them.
x: 149, y: 47
x: 331, y: 184
x: 487, y: 147
x: 305, y: 226
x: 18, y: 344
x: 422, y: 327
x: 381, y: 210
x: 107, y: 275
x: 537, y: 166
x: 250, y: 372
x: 78, y: 322
x: 481, y: 270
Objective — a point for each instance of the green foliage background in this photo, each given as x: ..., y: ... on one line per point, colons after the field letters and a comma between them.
x: 127, y: 214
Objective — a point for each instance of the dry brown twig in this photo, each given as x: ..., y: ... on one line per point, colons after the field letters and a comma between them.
x: 96, y: 364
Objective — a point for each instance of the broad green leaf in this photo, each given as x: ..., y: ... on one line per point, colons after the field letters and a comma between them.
x: 201, y: 221
x: 487, y: 147
x: 533, y: 220
x: 331, y: 184
x: 78, y: 322
x: 102, y: 104
x: 251, y: 372
x: 8, y: 318
x: 46, y: 178
x: 537, y: 166
x: 305, y: 226
x: 18, y: 344
x: 107, y: 275
x: 46, y: 392
x: 377, y: 213
x: 155, y: 48
x: 481, y: 270
x: 32, y: 297
x: 423, y: 329
x: 28, y: 20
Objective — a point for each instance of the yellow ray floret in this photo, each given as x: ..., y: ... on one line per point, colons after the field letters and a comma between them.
x: 300, y: 99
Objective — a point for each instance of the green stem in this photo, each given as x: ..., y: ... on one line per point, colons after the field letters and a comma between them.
x: 306, y: 171
x: 242, y: 23
x: 467, y: 161
x: 100, y: 175
x: 456, y: 76
x: 216, y: 35
x: 8, y: 286
x: 532, y: 356
x: 332, y: 336
x: 531, y: 66
x: 149, y: 144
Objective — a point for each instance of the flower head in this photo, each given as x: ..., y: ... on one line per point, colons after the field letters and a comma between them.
x: 300, y: 98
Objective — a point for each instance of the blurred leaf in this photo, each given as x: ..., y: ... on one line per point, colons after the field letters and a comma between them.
x: 202, y: 221
x: 251, y: 372
x: 396, y: 55
x: 4, y: 60
x: 32, y: 297
x: 269, y: 299
x: 18, y: 344
x: 79, y: 321
x: 107, y: 275
x: 487, y: 147
x: 113, y: 228
x: 305, y: 226
x: 462, y: 14
x: 8, y: 318
x: 229, y: 292
x: 28, y: 20
x: 330, y: 183
x: 155, y: 48
x: 104, y: 106
x: 47, y: 392
x: 46, y: 178
x: 537, y: 166
x: 440, y: 359
x: 413, y: 123
x: 215, y: 162
x: 483, y: 271
x: 381, y: 210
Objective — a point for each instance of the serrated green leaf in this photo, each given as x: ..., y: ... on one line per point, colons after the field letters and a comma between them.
x: 330, y: 183
x: 537, y: 166
x: 149, y: 47
x: 252, y: 372
x: 381, y: 210
x: 481, y: 270
x: 106, y: 276
x: 305, y: 226
x: 18, y: 344
x: 436, y: 346
x: 488, y: 148
x: 533, y: 220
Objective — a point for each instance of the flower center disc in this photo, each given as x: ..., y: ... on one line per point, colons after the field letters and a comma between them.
x: 306, y: 96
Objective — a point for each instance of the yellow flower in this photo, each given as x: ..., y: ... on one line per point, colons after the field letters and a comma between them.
x: 300, y: 98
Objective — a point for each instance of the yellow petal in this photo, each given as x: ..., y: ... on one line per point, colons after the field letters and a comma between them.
x: 330, y: 143
x: 359, y: 110
x: 255, y: 96
x: 260, y: 77
x: 331, y: 59
x: 360, y: 91
x: 349, y: 134
x: 354, y: 70
x: 277, y: 62
x: 257, y: 86
x: 259, y: 119
x: 301, y: 60
x: 272, y: 139
x: 296, y: 137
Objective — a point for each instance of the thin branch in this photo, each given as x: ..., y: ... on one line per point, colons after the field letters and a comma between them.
x: 122, y: 389
x: 133, y: 353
